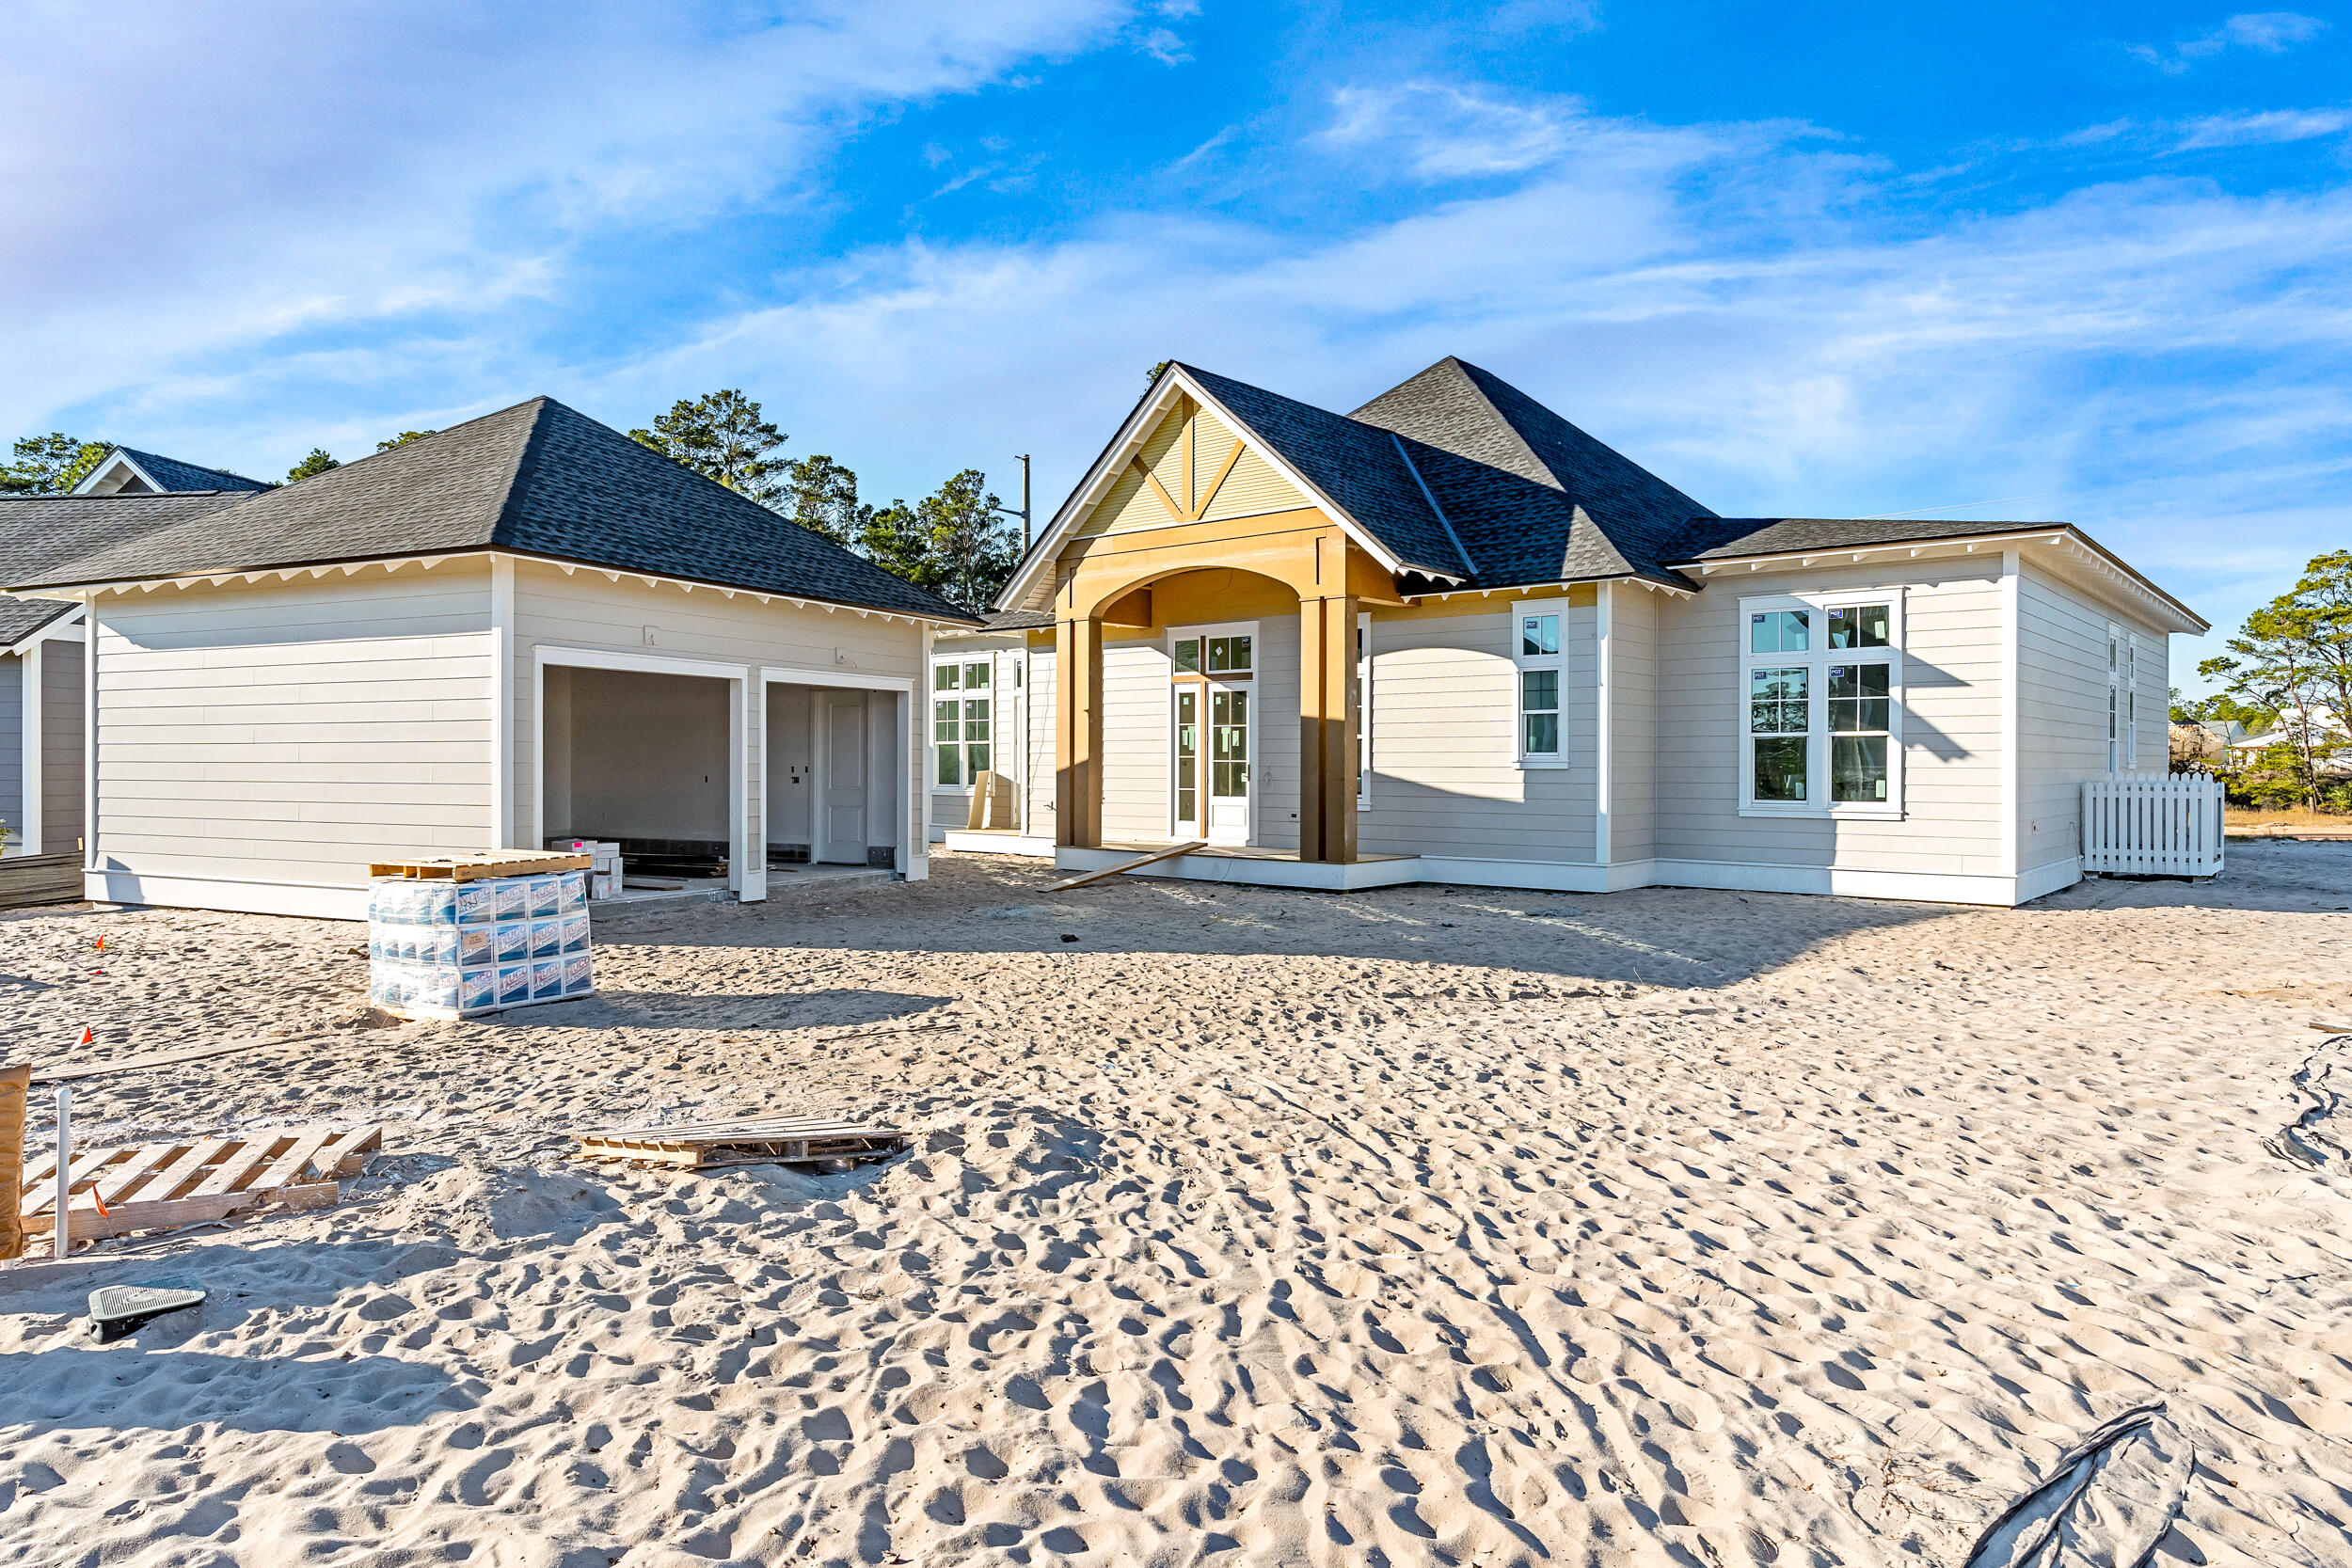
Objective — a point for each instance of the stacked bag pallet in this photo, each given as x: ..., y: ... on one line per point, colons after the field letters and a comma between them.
x: 452, y: 949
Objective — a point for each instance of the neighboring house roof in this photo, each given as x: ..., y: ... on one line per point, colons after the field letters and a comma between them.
x: 1533, y: 499
x: 39, y: 534
x: 1019, y: 619
x: 537, y: 479
x: 20, y: 617
x: 128, y: 471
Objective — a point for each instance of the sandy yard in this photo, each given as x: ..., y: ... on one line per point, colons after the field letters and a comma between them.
x: 1409, y: 1227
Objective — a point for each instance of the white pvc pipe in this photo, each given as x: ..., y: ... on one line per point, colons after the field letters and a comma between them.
x: 64, y: 1242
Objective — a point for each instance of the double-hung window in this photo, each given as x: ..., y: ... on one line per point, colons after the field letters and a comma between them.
x: 960, y: 721
x: 1820, y: 699
x: 1540, y: 671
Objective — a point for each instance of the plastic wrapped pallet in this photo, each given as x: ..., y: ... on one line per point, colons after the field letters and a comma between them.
x: 447, y: 949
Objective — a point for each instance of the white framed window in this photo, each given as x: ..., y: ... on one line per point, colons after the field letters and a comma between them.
x: 1540, y: 673
x: 2117, y: 697
x: 962, y: 721
x: 1820, y: 694
x: 1363, y: 709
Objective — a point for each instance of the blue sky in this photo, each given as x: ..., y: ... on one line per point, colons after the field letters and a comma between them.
x: 2090, y: 261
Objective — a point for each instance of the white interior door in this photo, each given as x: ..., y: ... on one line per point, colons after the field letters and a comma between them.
x: 843, y: 799
x: 1231, y: 723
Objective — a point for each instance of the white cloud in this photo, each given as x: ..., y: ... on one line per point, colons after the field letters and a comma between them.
x: 1440, y: 132
x: 247, y: 173
x: 2268, y: 32
x: 2270, y: 127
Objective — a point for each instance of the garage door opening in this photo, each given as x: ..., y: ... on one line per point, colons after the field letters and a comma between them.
x: 836, y: 782
x: 645, y: 761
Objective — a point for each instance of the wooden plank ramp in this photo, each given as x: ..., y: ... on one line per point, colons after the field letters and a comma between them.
x: 1138, y: 863
x: 751, y: 1141
x: 113, y: 1192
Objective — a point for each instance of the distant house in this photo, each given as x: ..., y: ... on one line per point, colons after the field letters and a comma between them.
x: 1451, y: 637
x: 128, y: 472
x: 42, y: 640
x: 523, y: 628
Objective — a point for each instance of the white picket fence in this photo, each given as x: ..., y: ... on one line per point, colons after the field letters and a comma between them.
x: 2152, y: 825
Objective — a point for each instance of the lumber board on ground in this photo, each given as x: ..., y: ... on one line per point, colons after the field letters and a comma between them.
x: 1138, y: 864
x: 751, y: 1140
x: 489, y: 863
x: 73, y: 1074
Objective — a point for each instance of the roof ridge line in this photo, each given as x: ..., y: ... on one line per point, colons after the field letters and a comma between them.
x: 1444, y: 521
x: 526, y: 467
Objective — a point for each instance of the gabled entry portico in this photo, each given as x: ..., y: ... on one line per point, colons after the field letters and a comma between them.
x: 1180, y: 593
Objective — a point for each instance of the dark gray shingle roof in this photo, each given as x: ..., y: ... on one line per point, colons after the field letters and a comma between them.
x: 1720, y: 538
x: 1532, y: 498
x: 22, y: 617
x: 1357, y: 465
x: 536, y: 479
x: 40, y: 533
x: 172, y: 474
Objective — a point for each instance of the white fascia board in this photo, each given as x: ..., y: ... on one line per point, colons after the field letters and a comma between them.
x: 1122, y: 450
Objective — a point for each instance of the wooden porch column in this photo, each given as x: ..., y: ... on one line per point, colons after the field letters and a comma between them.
x: 1327, y: 729
x: 1079, y: 734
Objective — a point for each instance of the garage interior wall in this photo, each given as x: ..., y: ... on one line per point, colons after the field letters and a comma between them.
x: 636, y: 756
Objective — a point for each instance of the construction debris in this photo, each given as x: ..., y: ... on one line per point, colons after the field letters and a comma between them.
x: 114, y: 1191
x: 116, y: 1311
x: 753, y: 1141
x: 1137, y: 865
x: 15, y: 1094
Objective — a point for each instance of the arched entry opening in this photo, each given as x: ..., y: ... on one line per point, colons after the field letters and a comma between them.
x: 1209, y: 693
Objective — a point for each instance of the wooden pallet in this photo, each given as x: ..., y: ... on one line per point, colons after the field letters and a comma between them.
x: 758, y: 1140
x: 490, y: 863
x: 154, y: 1185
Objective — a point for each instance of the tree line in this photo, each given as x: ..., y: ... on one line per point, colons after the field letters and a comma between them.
x: 957, y: 541
x: 2288, y: 677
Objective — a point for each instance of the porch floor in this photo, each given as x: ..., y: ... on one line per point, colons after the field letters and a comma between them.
x: 1247, y: 865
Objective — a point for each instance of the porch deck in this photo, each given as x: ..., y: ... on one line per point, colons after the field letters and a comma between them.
x: 1247, y: 866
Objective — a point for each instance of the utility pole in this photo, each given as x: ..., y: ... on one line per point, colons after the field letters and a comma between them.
x: 1024, y: 512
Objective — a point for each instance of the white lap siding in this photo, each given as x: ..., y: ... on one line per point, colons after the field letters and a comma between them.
x: 2062, y: 710
x: 1634, y: 684
x: 1953, y: 656
x: 1446, y: 777
x: 285, y: 734
x: 1136, y: 742
x: 1041, y: 743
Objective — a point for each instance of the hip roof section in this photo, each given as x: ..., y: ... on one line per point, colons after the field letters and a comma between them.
x: 538, y: 479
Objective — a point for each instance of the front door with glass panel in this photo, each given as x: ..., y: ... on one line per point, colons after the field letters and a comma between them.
x: 1212, y: 708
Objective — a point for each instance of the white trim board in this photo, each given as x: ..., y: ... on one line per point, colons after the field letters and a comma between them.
x: 310, y: 901
x: 32, y: 722
x: 968, y: 841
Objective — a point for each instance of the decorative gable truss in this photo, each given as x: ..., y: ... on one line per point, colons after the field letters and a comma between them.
x: 1178, y: 459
